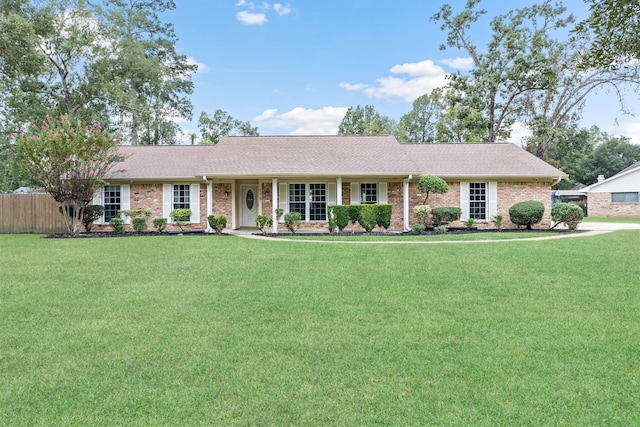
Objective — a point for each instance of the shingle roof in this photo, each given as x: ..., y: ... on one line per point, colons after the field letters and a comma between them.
x: 279, y: 156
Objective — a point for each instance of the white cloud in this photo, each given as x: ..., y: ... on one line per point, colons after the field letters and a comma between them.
x: 202, y: 68
x: 629, y: 129
x: 424, y: 77
x: 281, y: 9
x: 244, y: 3
x: 302, y: 121
x: 518, y: 132
x: 459, y: 63
x: 250, y: 18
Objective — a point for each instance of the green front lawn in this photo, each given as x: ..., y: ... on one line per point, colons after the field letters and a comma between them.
x: 208, y: 330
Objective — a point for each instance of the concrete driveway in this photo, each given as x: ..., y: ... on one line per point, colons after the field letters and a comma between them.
x: 607, y: 226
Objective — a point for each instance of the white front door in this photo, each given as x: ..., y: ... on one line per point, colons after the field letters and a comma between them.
x: 249, y: 205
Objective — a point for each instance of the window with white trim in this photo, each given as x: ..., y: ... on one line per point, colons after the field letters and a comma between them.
x: 478, y: 200
x: 308, y: 199
x: 112, y: 201
x: 628, y: 197
x: 181, y: 196
x: 368, y: 193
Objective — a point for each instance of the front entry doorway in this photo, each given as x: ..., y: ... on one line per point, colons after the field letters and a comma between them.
x: 249, y: 205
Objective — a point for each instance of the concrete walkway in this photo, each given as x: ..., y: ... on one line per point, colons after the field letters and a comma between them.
x: 587, y: 228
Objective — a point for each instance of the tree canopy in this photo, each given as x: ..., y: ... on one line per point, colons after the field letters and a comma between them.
x: 613, y: 26
x: 366, y: 121
x: 68, y: 159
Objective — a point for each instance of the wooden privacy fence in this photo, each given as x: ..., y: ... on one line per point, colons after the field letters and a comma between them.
x: 30, y: 213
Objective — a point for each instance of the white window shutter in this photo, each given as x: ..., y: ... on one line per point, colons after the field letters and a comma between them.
x: 492, y: 207
x: 382, y: 193
x: 332, y: 198
x: 97, y: 200
x: 283, y: 199
x: 194, y: 203
x: 355, y: 193
x: 167, y: 201
x: 464, y: 200
x: 125, y: 201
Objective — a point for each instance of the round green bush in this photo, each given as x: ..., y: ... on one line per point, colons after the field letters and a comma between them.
x: 526, y: 213
x: 567, y: 213
x: 140, y: 224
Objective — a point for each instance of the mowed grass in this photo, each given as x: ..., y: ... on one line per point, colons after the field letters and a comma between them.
x: 426, y: 238
x: 204, y: 330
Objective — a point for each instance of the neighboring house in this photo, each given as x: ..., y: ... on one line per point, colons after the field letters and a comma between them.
x: 617, y: 195
x: 242, y: 177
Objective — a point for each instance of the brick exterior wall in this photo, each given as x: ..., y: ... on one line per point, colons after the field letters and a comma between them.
x: 600, y: 205
x: 149, y: 196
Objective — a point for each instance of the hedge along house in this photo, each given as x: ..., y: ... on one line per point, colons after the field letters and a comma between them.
x: 617, y: 195
x: 242, y: 177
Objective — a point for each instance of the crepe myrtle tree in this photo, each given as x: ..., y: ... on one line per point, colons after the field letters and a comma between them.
x: 68, y: 159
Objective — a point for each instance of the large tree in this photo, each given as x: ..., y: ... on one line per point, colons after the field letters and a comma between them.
x: 220, y: 124
x: 46, y: 50
x: 614, y: 26
x: 418, y: 126
x: 514, y: 63
x: 68, y: 159
x: 550, y: 111
x: 112, y: 61
x: 366, y: 121
x: 149, y: 81
x: 609, y: 157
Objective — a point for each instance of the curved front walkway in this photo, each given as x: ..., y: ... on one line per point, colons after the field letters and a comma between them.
x: 586, y: 228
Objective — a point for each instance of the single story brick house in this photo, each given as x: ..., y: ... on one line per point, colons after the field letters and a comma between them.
x: 242, y: 177
x: 617, y: 195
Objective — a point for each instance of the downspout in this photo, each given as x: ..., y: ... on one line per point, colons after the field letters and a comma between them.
x: 556, y: 181
x: 209, y: 203
x: 274, y: 195
x: 405, y: 202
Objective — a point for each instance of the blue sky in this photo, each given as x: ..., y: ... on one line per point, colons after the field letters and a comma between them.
x: 295, y: 67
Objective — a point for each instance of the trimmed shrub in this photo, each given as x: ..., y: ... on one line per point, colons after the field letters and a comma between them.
x: 117, y: 224
x: 140, y: 224
x: 383, y: 216
x: 292, y: 221
x: 160, y: 224
x: 91, y: 213
x: 418, y: 228
x: 432, y: 184
x: 218, y: 223
x: 331, y: 221
x: 445, y: 215
x: 441, y: 229
x: 368, y: 217
x: 180, y: 217
x: 526, y: 213
x: 341, y: 215
x: 567, y: 213
x: 422, y: 213
x: 262, y: 222
x: 354, y: 213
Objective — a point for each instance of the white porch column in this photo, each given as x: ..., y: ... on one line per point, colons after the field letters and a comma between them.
x: 274, y: 204
x: 339, y: 191
x: 209, y: 204
x: 405, y: 203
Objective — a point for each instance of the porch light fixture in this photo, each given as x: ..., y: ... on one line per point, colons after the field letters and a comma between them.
x: 226, y: 193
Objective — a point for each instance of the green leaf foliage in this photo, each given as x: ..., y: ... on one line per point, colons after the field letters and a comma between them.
x: 432, y: 184
x: 219, y: 223
x: 160, y: 224
x: 341, y: 215
x: 368, y: 217
x: 292, y: 221
x: 140, y: 224
x: 91, y: 214
x: 445, y: 215
x: 117, y: 224
x: 569, y: 214
x: 180, y: 217
x: 526, y: 213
